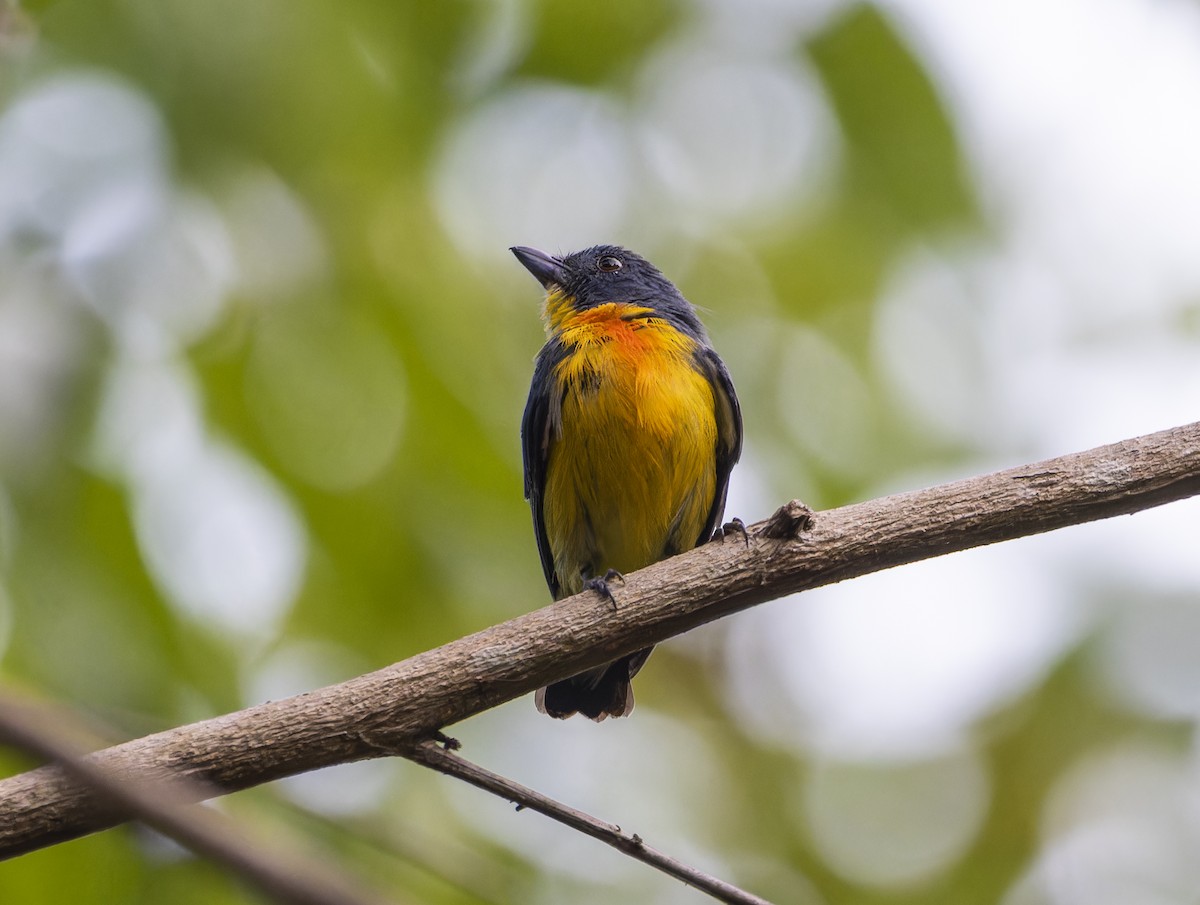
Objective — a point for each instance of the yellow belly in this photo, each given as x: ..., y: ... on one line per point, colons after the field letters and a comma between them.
x: 632, y: 475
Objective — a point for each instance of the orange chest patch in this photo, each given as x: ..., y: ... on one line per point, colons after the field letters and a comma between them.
x: 618, y: 342
x: 630, y: 376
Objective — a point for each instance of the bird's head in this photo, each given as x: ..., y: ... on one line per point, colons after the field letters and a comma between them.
x: 605, y: 274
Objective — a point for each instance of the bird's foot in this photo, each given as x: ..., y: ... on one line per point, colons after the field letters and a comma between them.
x: 733, y: 526
x: 600, y: 584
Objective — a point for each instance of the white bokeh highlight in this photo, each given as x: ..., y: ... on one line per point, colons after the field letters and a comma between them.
x: 899, y: 664
x: 927, y: 343
x: 1123, y: 826
x: 222, y: 540
x: 825, y: 403
x: 899, y: 824
x: 540, y: 164
x: 728, y: 137
x: 1149, y: 657
x: 86, y: 181
x: 278, y: 247
x: 156, y: 268
x: 72, y: 142
x: 219, y: 536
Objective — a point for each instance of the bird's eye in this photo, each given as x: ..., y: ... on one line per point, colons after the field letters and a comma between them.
x: 608, y: 263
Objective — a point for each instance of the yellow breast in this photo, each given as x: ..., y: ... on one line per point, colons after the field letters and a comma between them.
x: 632, y: 474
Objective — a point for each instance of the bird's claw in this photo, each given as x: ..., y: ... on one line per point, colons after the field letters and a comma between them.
x: 599, y: 584
x: 733, y: 526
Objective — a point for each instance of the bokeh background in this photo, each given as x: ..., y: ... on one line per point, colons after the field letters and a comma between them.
x: 263, y: 356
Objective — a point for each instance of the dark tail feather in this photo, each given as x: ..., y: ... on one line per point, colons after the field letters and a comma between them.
x: 597, y: 694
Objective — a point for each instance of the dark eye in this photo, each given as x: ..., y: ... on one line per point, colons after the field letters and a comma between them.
x: 609, y: 264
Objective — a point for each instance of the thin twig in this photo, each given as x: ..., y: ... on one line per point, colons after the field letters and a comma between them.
x: 410, y: 701
x: 438, y: 758
x: 164, y: 806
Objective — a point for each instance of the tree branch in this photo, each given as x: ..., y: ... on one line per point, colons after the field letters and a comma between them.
x: 445, y: 761
x: 167, y: 807
x: 402, y: 704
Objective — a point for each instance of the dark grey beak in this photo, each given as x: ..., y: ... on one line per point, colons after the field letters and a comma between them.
x: 546, y: 268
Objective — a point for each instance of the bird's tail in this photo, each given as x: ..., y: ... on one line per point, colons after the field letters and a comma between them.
x: 598, y: 693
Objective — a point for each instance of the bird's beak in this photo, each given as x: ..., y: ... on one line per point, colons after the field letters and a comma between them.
x: 546, y: 268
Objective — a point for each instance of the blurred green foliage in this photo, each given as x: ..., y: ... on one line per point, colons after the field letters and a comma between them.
x: 368, y: 383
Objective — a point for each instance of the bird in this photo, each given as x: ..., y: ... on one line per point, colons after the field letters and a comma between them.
x: 628, y: 438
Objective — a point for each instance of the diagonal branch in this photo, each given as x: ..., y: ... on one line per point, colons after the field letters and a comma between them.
x: 446, y: 761
x: 409, y: 701
x: 283, y: 876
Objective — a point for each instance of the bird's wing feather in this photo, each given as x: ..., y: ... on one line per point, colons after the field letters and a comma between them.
x: 539, y: 426
x: 729, y: 431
